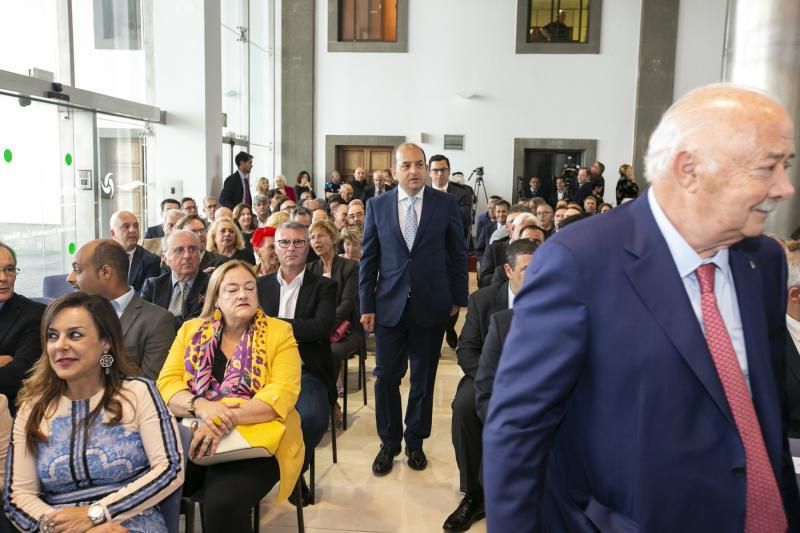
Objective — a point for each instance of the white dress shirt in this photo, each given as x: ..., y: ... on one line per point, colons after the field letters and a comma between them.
x: 289, y: 294
x: 510, y: 297
x: 687, y: 261
x: 402, y: 205
x: 794, y: 331
x: 122, y: 302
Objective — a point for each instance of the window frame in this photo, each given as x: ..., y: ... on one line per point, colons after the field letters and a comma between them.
x: 591, y: 46
x: 398, y: 46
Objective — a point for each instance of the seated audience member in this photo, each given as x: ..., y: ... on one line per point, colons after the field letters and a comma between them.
x: 155, y: 246
x: 590, y: 205
x: 92, y: 445
x: 301, y: 215
x: 319, y: 214
x: 262, y: 186
x: 261, y: 210
x: 208, y: 260
x: 236, y: 368
x: 308, y: 302
x: 558, y: 216
x: 20, y: 319
x: 572, y: 219
x: 182, y: 290
x: 561, y: 193
x: 358, y: 183
x: 314, y: 204
x: 333, y: 184
x: 334, y: 202
x: 339, y: 214
x: 189, y: 206
x: 496, y: 250
x: 303, y: 185
x: 534, y: 189
x: 499, y: 324
x: 346, y: 193
x: 243, y: 218
x: 488, y: 222
x: 524, y: 228
x: 305, y: 197
x: 355, y: 213
x: 210, y: 206
x: 544, y: 218
x: 276, y: 219
x: 604, y: 207
x: 466, y: 426
x: 352, y: 236
x: 626, y: 184
x: 101, y: 267
x: 562, y: 203
x: 225, y: 239
x: 323, y: 237
x: 378, y: 187
x: 223, y: 212
x: 280, y: 186
x: 143, y: 264
x: 264, y: 246
x: 157, y: 231
x: 288, y: 205
x: 275, y: 200
x: 6, y: 425
x: 503, y: 231
x: 792, y: 377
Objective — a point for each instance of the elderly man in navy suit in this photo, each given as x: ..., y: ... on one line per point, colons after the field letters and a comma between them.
x: 413, y: 277
x: 647, y: 399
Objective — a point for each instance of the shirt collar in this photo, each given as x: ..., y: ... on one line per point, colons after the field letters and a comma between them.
x: 686, y: 259
x: 242, y: 176
x: 794, y: 328
x: 297, y: 281
x: 510, y: 297
x: 121, y: 303
x: 401, y: 194
x: 188, y: 282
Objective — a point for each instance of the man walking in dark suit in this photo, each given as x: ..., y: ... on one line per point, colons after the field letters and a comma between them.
x: 308, y: 302
x: 141, y: 263
x: 101, y: 267
x: 236, y: 187
x: 20, y: 318
x: 647, y: 399
x: 181, y: 291
x: 466, y: 426
x: 413, y: 277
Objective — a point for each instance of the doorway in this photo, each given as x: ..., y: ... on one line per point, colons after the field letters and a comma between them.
x: 370, y: 158
x: 546, y: 165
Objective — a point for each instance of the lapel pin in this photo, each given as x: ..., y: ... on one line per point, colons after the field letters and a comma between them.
x: 752, y: 264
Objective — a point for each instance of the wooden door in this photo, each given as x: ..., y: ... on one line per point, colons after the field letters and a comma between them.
x: 370, y: 158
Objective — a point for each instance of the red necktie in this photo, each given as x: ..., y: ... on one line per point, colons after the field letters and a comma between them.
x: 247, y: 200
x: 764, y: 511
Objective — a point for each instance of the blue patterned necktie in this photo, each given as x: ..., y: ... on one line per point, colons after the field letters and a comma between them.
x: 410, y: 225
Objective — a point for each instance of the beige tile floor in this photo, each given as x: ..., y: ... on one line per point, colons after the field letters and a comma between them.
x: 350, y: 498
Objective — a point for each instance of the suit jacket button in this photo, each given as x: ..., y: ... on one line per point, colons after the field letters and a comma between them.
x: 738, y: 471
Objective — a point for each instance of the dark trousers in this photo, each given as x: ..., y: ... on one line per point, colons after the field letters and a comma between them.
x: 395, y: 348
x: 466, y: 430
x: 230, y: 491
x: 315, y: 412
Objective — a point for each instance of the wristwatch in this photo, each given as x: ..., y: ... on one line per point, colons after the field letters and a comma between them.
x: 97, y: 514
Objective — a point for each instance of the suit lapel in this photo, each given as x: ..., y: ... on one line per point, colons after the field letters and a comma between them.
x: 130, y: 314
x: 426, y: 215
x: 501, y: 299
x: 273, y: 296
x: 653, y: 275
x: 9, y: 314
x: 306, y: 293
x: 136, y: 264
x: 792, y: 357
x: 391, y: 198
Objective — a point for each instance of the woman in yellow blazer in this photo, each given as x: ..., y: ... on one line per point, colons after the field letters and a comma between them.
x: 235, y: 367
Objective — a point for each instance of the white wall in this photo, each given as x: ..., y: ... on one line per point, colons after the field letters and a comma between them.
x: 701, y: 41
x: 467, y: 46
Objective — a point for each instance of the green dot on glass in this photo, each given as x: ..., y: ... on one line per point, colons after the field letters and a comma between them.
x: 7, y: 155
x: 68, y: 159
x: 71, y: 248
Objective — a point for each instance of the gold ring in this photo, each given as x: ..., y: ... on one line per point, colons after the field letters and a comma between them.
x: 217, y: 420
x: 207, y: 441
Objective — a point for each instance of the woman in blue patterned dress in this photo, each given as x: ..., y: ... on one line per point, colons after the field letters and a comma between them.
x: 92, y: 448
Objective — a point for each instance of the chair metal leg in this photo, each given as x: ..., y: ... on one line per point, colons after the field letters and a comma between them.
x: 333, y: 434
x: 362, y: 370
x: 298, y: 494
x: 312, y: 473
x: 344, y: 397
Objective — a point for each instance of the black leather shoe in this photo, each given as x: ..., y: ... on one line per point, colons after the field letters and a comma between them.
x: 451, y: 336
x: 416, y: 459
x: 305, y: 494
x: 384, y: 461
x: 469, y: 511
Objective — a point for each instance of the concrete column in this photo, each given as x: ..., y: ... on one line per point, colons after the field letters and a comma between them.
x: 187, y: 150
x: 297, y: 87
x: 762, y: 49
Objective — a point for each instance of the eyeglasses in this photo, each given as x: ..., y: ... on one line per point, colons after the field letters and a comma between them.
x: 180, y: 250
x: 298, y: 243
x: 10, y: 270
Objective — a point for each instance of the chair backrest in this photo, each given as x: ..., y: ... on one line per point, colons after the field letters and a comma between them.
x: 171, y: 507
x: 55, y: 286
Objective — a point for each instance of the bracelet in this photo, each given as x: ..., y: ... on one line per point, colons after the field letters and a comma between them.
x: 46, y: 525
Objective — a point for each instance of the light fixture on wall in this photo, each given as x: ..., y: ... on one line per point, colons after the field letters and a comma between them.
x: 467, y: 96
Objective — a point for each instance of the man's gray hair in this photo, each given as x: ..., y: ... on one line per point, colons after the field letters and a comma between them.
x: 301, y: 211
x: 291, y: 225
x: 261, y: 199
x: 173, y: 213
x: 165, y: 247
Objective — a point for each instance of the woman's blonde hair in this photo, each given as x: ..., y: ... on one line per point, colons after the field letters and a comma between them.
x: 259, y: 189
x: 328, y: 226
x: 211, y: 241
x: 43, y: 388
x: 353, y: 233
x: 277, y: 218
x: 625, y: 170
x: 214, y: 284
